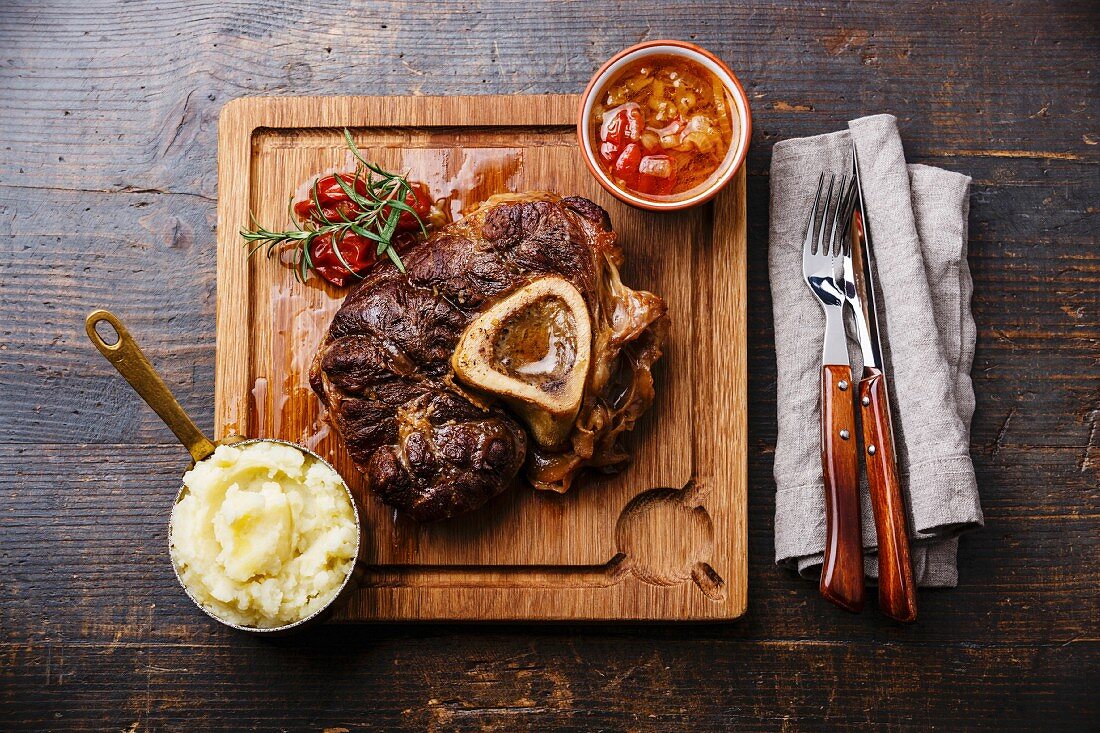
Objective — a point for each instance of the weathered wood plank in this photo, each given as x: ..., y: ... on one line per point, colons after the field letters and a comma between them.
x: 83, y: 556
x: 1036, y: 267
x: 107, y: 190
x: 133, y: 92
x: 514, y: 680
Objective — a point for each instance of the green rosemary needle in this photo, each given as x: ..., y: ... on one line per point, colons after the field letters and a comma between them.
x: 378, y: 195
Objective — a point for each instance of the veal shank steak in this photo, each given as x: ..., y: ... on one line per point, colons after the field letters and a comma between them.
x: 529, y: 285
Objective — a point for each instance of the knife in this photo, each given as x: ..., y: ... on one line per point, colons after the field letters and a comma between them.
x: 896, y: 591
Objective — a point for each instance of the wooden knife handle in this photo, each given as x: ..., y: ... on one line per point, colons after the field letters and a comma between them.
x: 897, y: 596
x: 842, y: 571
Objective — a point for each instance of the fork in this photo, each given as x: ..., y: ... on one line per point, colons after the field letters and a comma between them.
x: 842, y: 569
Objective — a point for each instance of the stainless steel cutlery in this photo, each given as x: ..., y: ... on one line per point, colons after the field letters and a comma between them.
x: 839, y: 268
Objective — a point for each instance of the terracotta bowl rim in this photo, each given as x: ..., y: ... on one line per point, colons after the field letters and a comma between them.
x: 680, y: 48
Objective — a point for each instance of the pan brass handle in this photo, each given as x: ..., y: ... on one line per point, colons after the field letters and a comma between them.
x: 131, y: 363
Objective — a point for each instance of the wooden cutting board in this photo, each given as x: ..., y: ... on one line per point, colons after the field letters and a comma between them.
x: 664, y: 539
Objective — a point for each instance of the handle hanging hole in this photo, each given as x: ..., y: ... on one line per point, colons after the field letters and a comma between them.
x: 106, y: 332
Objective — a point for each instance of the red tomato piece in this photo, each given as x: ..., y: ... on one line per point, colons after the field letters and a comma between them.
x: 656, y: 175
x: 331, y: 198
x: 658, y: 166
x: 614, y: 126
x: 609, y: 152
x: 653, y: 186
x: 357, y: 251
x: 421, y: 202
x: 337, y: 206
x: 626, y: 167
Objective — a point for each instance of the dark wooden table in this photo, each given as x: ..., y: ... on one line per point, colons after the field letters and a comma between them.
x: 107, y: 198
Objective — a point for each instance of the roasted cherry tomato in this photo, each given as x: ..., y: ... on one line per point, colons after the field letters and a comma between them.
x: 336, y: 205
x: 357, y: 251
x: 419, y: 201
x: 331, y: 198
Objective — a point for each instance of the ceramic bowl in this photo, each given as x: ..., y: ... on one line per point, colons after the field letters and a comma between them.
x: 734, y: 159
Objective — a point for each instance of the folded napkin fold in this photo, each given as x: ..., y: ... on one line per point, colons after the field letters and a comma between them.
x: 918, y: 221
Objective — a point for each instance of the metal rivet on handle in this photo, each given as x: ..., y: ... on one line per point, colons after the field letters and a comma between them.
x: 845, y: 434
x: 866, y: 401
x: 871, y: 449
x: 842, y: 384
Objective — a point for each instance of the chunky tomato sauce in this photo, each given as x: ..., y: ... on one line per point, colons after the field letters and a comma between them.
x: 663, y: 126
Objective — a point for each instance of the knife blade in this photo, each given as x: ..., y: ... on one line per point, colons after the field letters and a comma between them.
x: 861, y: 279
x: 897, y: 592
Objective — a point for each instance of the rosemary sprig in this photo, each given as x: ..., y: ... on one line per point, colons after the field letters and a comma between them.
x: 380, y: 205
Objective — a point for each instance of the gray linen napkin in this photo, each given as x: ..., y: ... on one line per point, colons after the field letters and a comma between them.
x: 918, y: 219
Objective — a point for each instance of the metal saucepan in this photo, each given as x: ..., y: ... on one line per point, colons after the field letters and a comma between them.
x: 132, y: 364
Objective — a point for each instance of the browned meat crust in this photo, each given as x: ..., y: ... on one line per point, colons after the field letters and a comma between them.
x: 435, y: 450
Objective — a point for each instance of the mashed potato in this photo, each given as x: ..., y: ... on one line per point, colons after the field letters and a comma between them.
x: 264, y: 534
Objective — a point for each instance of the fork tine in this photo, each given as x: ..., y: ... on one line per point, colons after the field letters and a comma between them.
x: 808, y: 241
x: 834, y: 243
x: 849, y: 207
x: 825, y: 217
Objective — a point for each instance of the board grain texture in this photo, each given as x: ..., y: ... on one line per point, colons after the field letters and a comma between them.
x: 663, y: 540
x: 108, y: 188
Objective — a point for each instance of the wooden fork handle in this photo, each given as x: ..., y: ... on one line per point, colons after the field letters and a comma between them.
x: 897, y: 596
x: 842, y: 570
